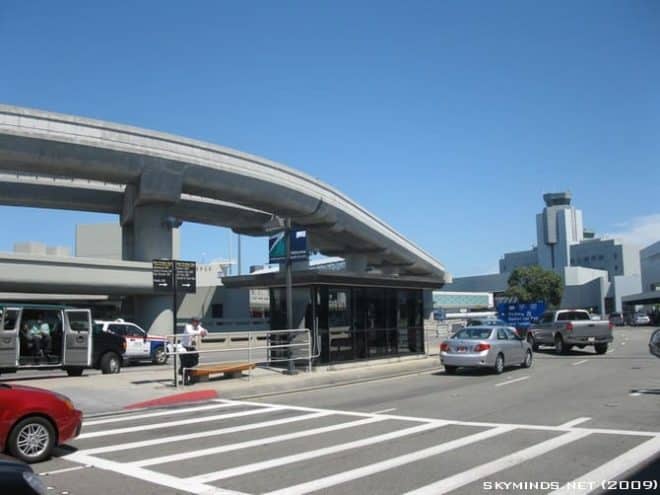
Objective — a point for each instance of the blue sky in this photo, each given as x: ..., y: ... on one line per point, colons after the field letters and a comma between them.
x: 446, y: 119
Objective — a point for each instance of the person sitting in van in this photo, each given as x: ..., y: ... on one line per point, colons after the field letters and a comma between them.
x: 40, y: 331
x: 30, y: 340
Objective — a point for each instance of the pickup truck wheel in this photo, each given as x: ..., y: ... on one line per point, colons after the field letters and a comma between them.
x: 532, y: 342
x: 159, y: 356
x: 451, y: 370
x: 32, y: 439
x: 74, y: 371
x: 560, y: 347
x: 601, y: 348
x: 499, y: 364
x: 527, y: 362
x: 110, y: 363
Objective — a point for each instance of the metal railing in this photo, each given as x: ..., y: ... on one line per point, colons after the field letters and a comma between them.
x: 240, y: 338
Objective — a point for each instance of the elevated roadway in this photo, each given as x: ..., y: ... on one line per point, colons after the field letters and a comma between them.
x: 77, y: 163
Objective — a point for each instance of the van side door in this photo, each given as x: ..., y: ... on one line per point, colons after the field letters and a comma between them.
x: 77, y: 337
x: 9, y: 337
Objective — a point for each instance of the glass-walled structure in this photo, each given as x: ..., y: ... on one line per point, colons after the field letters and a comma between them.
x: 351, y: 323
x: 350, y: 317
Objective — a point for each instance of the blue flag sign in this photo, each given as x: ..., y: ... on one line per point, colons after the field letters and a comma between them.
x: 277, y: 246
x: 521, y: 315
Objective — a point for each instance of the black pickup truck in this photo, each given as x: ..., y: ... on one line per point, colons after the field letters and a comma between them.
x: 107, y: 353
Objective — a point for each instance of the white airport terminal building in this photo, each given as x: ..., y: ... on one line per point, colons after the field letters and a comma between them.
x: 598, y: 273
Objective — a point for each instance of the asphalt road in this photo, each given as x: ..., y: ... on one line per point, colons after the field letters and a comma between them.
x: 579, y: 418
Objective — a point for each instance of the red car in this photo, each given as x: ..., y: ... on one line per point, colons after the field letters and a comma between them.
x: 33, y: 421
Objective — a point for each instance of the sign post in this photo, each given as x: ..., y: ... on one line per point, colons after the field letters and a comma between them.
x: 285, y: 247
x: 173, y: 276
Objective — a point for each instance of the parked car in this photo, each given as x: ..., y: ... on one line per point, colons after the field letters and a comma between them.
x: 140, y: 346
x: 617, y: 319
x: 654, y: 343
x: 566, y: 328
x: 485, y: 347
x: 18, y: 478
x: 65, y: 340
x: 487, y: 322
x: 33, y: 421
x: 637, y: 319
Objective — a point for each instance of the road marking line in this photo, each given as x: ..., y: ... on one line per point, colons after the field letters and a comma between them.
x: 202, y: 434
x: 162, y: 479
x: 254, y: 443
x: 579, y: 362
x: 156, y: 414
x: 336, y: 479
x: 312, y: 454
x: 574, y: 422
x: 65, y: 470
x: 610, y: 470
x: 316, y: 409
x: 156, y: 426
x: 610, y: 351
x: 384, y: 411
x: 512, y: 381
x: 466, y: 477
x: 482, y: 424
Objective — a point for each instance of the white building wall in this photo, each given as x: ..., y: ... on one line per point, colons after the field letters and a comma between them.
x: 650, y: 267
x: 625, y: 285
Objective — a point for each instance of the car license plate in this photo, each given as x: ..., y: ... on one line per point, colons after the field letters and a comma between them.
x: 591, y: 339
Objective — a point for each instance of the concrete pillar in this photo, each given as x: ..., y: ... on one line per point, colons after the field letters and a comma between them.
x: 356, y: 263
x: 150, y: 232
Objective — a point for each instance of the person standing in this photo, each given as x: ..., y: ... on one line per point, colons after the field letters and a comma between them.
x: 191, y: 332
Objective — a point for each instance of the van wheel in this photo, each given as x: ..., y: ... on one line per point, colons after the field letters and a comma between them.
x: 74, y: 371
x: 32, y: 439
x: 110, y: 363
x: 159, y: 356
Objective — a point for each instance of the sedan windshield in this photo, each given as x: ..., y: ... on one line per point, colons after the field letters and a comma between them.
x: 473, y: 333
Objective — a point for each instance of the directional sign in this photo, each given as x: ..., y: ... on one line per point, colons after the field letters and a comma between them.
x: 186, y: 275
x: 277, y: 246
x: 162, y: 275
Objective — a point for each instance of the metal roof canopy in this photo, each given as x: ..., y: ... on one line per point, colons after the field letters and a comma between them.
x: 344, y: 279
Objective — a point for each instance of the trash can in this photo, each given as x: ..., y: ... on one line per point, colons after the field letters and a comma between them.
x: 188, y: 360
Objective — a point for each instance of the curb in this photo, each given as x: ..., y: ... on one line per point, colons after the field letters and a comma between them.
x: 169, y: 400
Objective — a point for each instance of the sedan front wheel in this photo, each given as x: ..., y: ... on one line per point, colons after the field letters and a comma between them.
x: 32, y: 439
x: 527, y: 362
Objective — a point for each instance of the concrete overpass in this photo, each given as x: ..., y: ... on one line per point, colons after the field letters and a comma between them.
x: 60, y: 161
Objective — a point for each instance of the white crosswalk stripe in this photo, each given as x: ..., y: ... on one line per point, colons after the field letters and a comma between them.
x: 164, y: 442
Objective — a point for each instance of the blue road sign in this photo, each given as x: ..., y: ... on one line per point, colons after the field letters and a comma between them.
x: 521, y: 315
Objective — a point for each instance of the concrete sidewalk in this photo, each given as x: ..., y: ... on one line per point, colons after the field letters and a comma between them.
x: 97, y: 394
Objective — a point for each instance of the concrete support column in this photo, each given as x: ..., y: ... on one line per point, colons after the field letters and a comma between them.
x: 150, y: 232
x: 153, y: 234
x: 356, y: 263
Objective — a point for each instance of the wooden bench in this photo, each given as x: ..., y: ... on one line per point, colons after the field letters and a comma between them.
x: 201, y: 373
